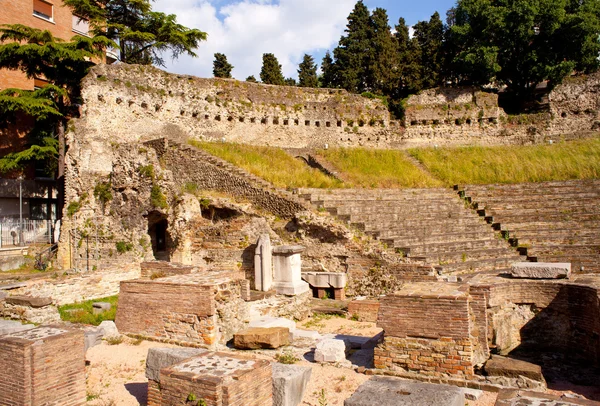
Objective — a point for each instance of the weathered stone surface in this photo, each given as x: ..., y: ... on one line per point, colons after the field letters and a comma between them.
x: 287, y: 270
x: 3, y: 295
x: 513, y: 368
x: 510, y: 397
x: 35, y: 302
x: 100, y: 307
x: 385, y: 391
x: 266, y: 322
x: 325, y: 279
x: 540, y: 270
x: 12, y: 326
x: 472, y: 394
x: 109, y: 328
x: 258, y: 337
x: 159, y: 358
x: 289, y: 383
x: 93, y: 337
x: 331, y: 350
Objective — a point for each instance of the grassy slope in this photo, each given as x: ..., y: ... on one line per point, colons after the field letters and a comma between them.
x: 378, y: 168
x: 271, y: 164
x: 513, y: 164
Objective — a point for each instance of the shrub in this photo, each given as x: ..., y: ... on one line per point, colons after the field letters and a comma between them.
x: 286, y: 357
x: 157, y: 198
x: 123, y: 246
x: 147, y: 171
x: 73, y: 208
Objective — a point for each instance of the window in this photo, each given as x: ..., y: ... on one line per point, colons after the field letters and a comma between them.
x: 81, y: 26
x: 43, y: 10
x: 39, y: 83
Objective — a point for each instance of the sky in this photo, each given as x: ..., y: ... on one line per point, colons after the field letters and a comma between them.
x: 245, y: 29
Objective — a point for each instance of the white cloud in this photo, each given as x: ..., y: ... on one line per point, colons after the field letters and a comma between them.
x: 246, y: 29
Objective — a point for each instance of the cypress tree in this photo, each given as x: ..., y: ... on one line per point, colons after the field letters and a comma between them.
x: 222, y: 68
x: 270, y: 73
x: 307, y: 72
x: 290, y: 82
x: 327, y: 78
x: 430, y: 38
x: 383, y: 69
x: 252, y: 79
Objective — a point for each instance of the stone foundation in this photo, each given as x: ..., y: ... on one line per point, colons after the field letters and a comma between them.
x: 42, y: 366
x: 181, y: 309
x: 219, y: 379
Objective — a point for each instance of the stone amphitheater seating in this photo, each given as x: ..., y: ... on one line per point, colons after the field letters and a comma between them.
x: 432, y: 225
x: 549, y: 221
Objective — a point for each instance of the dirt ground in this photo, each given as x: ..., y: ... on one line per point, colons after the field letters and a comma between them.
x: 116, y: 373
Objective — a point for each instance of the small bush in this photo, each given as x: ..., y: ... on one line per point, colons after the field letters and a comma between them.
x: 114, y: 340
x: 73, y: 208
x: 123, y: 246
x: 103, y: 192
x: 157, y: 198
x: 147, y: 171
x: 286, y: 357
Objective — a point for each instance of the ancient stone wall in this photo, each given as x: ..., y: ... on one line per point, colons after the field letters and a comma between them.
x: 575, y: 105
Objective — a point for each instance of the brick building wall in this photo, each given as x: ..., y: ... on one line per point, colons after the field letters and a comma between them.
x: 42, y: 366
x: 21, y: 12
x: 365, y: 310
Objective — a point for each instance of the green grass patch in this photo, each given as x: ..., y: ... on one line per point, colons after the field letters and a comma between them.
x: 82, y: 312
x: 372, y: 168
x: 513, y: 164
x: 272, y: 164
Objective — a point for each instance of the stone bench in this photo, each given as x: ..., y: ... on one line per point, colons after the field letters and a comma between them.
x: 540, y: 270
x: 324, y: 281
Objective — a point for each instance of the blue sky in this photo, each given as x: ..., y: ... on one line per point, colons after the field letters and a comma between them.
x: 245, y: 29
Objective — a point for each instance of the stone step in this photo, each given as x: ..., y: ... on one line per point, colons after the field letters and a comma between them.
x: 442, y: 211
x: 479, y: 265
x: 432, y: 229
x: 576, y: 249
x: 589, y: 263
x: 516, y: 218
x: 558, y: 233
x: 579, y: 193
x: 534, y: 187
x: 545, y: 240
x: 549, y: 225
x: 539, y: 210
x: 470, y: 255
x: 419, y: 250
x: 400, y: 241
x: 542, y: 205
x: 414, y: 203
x: 402, y: 220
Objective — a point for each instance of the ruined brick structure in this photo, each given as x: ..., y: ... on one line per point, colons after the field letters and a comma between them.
x: 443, y: 330
x: 42, y: 366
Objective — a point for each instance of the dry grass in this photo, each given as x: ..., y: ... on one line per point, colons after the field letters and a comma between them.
x: 370, y: 168
x: 272, y: 164
x: 513, y: 164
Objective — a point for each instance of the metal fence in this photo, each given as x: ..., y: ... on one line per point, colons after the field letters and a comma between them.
x: 34, y: 231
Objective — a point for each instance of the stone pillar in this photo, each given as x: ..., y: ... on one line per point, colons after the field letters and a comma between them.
x: 287, y: 267
x: 263, y: 271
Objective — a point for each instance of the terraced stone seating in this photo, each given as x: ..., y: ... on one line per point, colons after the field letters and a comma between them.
x: 549, y: 221
x: 433, y: 225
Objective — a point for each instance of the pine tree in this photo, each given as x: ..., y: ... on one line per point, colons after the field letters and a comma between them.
x: 222, y: 68
x: 353, y: 52
x: 307, y: 72
x: 270, y: 73
x: 38, y: 53
x: 252, y: 79
x: 409, y: 56
x: 430, y: 37
x: 327, y: 78
x: 290, y: 82
x: 383, y: 72
x: 143, y: 35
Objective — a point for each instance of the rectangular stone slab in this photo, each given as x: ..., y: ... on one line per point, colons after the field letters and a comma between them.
x: 386, y: 391
x: 540, y: 270
x: 259, y: 337
x: 159, y: 358
x: 289, y: 383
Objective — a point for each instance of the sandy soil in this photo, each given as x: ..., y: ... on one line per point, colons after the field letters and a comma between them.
x: 116, y: 373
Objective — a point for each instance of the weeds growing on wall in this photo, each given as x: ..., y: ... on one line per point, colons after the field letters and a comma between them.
x: 372, y: 168
x: 83, y: 313
x: 272, y: 164
x: 513, y: 164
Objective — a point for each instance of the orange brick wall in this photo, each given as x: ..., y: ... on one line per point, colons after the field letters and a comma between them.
x: 21, y: 12
x: 365, y: 310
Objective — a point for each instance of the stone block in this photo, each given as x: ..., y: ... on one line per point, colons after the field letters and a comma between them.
x: 254, y: 338
x: 287, y: 270
x: 109, y: 328
x: 29, y: 301
x: 43, y: 366
x: 263, y: 264
x: 159, y: 358
x: 93, y: 337
x: 3, y: 295
x: 308, y: 334
x: 336, y: 280
x: 509, y: 397
x: 13, y: 326
x: 266, y: 322
x: 513, y: 368
x: 540, y: 270
x: 218, y: 379
x: 472, y: 394
x: 289, y: 384
x: 385, y: 391
x: 331, y: 350
x: 100, y: 307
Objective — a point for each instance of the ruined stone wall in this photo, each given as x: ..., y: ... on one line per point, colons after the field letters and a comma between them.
x: 133, y: 103
x: 575, y: 105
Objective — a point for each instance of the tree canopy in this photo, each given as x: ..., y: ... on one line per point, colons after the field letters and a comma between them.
x: 142, y: 35
x: 307, y: 72
x: 222, y: 68
x: 270, y: 73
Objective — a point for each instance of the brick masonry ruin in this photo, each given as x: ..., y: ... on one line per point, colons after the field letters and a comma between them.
x: 444, y: 330
x: 42, y: 366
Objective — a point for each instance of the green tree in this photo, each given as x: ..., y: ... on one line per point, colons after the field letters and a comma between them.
x: 430, y: 38
x: 252, y: 79
x: 353, y: 52
x: 409, y: 56
x: 523, y: 43
x: 290, y: 82
x: 38, y: 53
x: 143, y: 35
x: 383, y: 70
x: 222, y: 68
x: 307, y: 72
x: 270, y: 73
x: 327, y: 78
